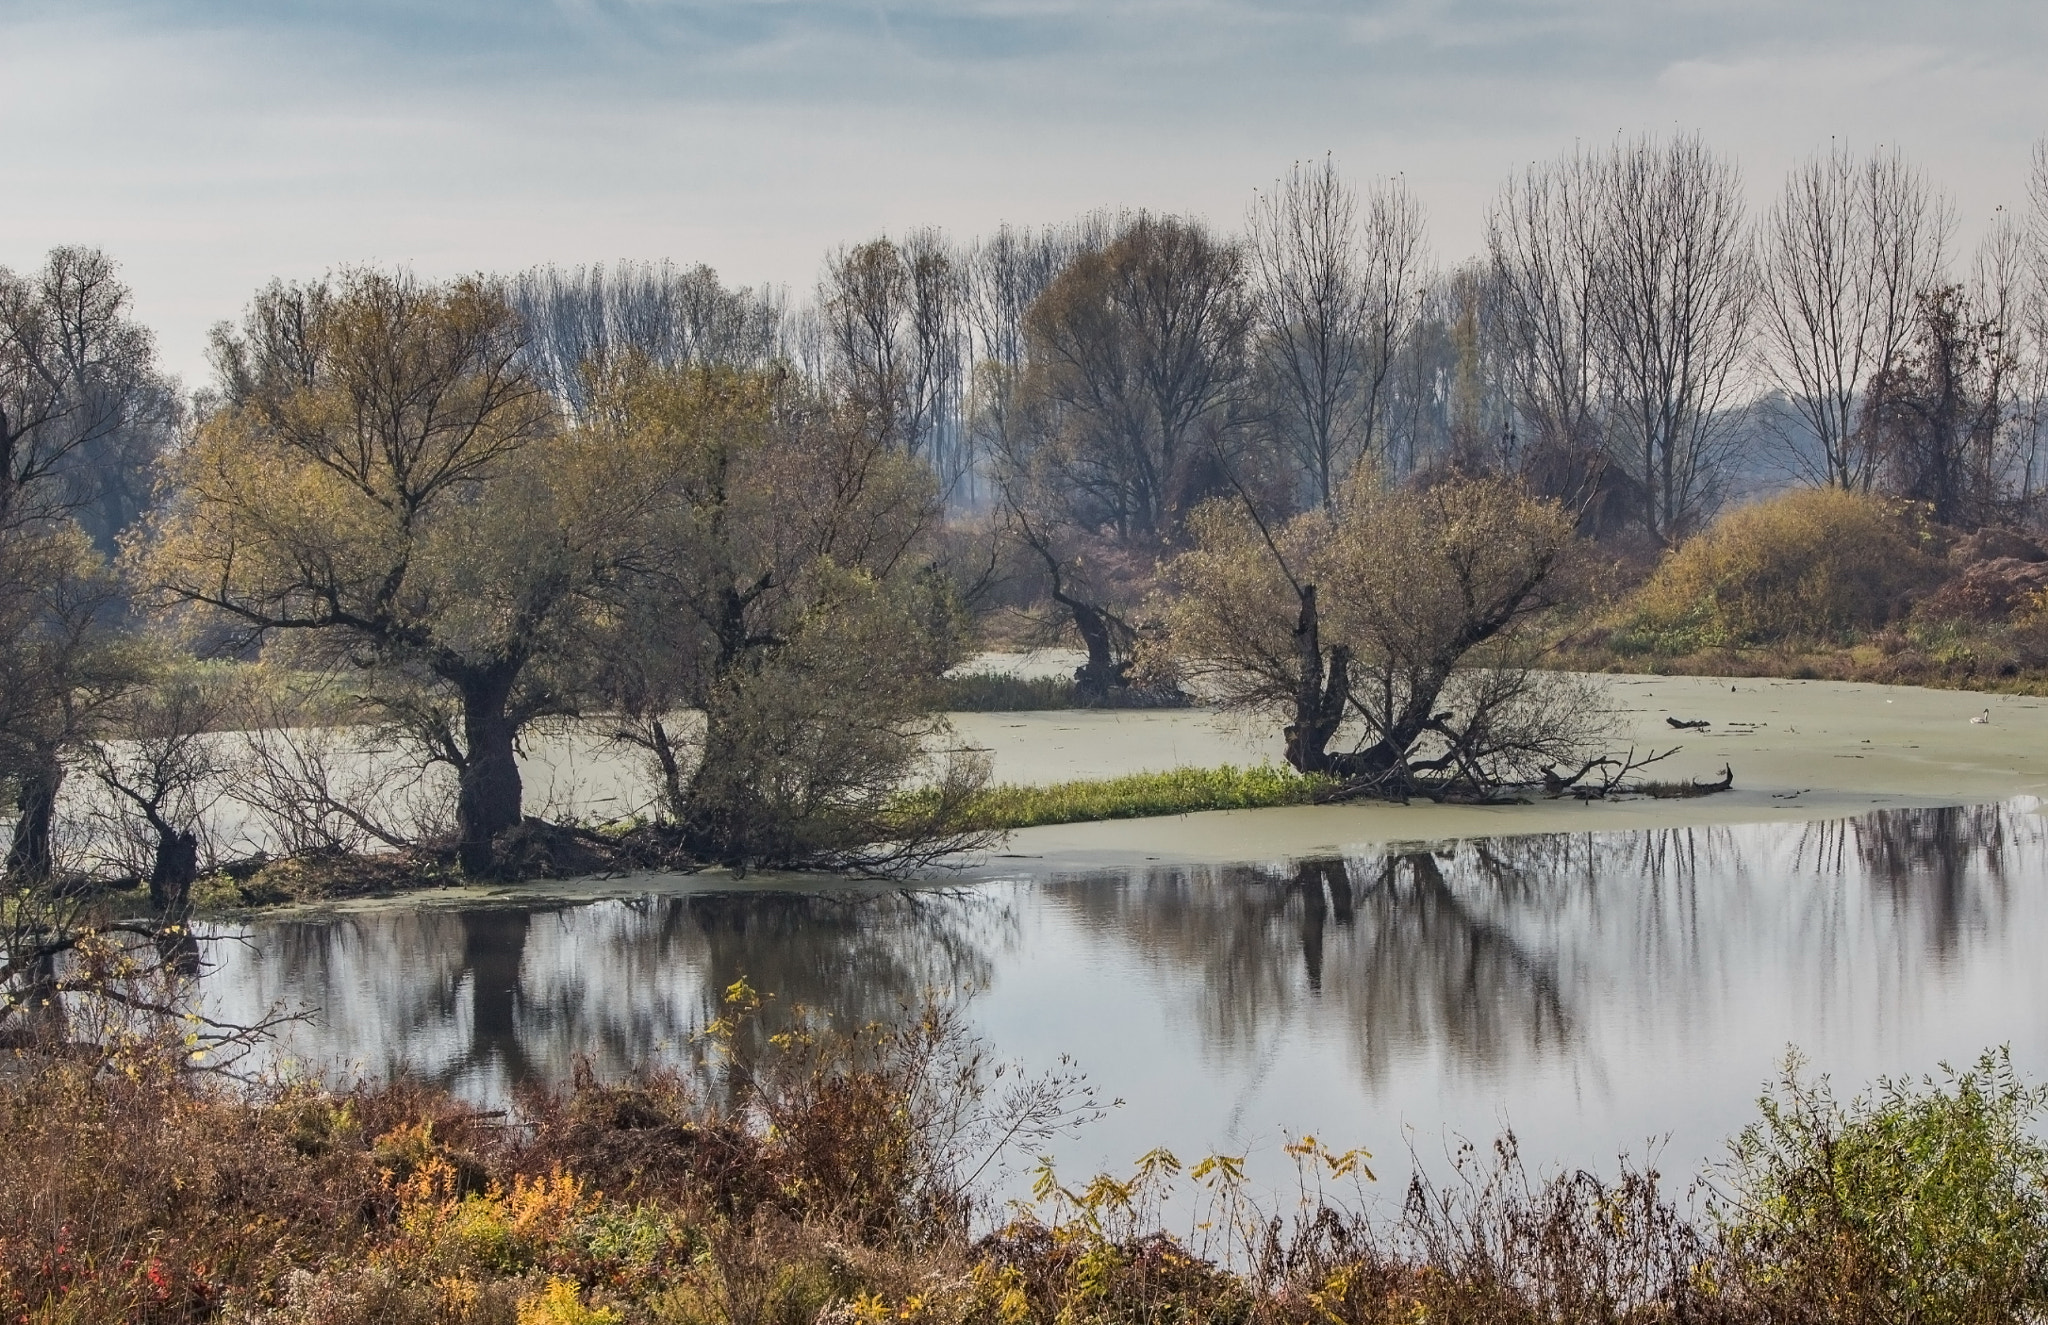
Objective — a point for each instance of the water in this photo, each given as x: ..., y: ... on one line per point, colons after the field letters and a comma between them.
x: 1595, y: 992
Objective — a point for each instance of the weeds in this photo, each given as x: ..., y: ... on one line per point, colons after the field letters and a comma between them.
x: 830, y: 1176
x: 1142, y: 795
x: 1005, y: 692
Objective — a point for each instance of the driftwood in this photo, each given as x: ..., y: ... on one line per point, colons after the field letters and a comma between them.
x: 1693, y: 787
x: 1598, y: 779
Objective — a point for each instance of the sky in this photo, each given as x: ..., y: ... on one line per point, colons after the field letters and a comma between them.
x: 213, y: 145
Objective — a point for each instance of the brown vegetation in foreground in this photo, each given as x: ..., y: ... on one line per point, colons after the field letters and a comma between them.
x: 821, y: 1177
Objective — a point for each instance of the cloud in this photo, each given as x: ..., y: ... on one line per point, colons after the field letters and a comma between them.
x: 213, y: 144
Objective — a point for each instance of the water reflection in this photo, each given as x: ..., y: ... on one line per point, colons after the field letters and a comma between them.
x: 482, y: 1000
x: 1387, y: 950
x: 1591, y: 988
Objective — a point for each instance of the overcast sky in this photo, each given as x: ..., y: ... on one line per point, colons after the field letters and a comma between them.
x: 213, y: 144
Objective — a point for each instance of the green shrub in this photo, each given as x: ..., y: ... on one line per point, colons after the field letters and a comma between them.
x: 1141, y: 795
x: 1815, y: 564
x: 1923, y: 1202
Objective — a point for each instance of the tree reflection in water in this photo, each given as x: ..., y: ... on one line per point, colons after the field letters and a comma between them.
x: 1385, y: 950
x: 1594, y: 962
x: 482, y: 1000
x: 1494, y: 955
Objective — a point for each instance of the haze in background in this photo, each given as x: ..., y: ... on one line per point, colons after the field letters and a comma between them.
x: 211, y: 145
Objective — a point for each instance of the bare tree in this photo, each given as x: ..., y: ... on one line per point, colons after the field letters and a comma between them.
x: 1006, y: 274
x: 83, y: 411
x: 162, y: 777
x: 1449, y: 401
x: 1543, y: 238
x: 1309, y: 294
x: 1674, y: 277
x: 940, y: 349
x: 583, y: 318
x: 894, y: 326
x: 1395, y: 274
x: 1845, y: 251
x: 1335, y: 289
x: 1137, y: 358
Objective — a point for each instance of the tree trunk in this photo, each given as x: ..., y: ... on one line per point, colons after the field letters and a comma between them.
x: 29, y: 856
x: 488, y: 797
x: 672, y: 793
x: 172, y: 873
x: 1318, y: 702
x: 1094, y: 679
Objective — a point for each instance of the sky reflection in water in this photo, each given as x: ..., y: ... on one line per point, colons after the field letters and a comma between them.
x: 1596, y: 992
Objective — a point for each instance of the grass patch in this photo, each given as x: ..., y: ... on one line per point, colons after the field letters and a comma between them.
x: 1141, y: 796
x: 1003, y: 692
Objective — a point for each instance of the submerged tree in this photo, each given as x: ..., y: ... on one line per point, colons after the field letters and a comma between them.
x: 1396, y: 624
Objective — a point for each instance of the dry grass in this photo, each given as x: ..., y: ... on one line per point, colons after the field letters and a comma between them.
x: 1816, y: 564
x: 820, y: 1178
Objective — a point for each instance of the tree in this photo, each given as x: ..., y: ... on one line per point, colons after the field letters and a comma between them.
x: 1936, y: 415
x: 1671, y: 295
x: 773, y: 651
x: 1398, y: 619
x: 895, y: 331
x: 583, y: 320
x: 64, y: 666
x: 1136, y: 360
x: 1312, y: 317
x: 163, y: 774
x: 1543, y: 239
x: 384, y: 483
x: 1847, y: 249
x: 84, y: 414
x: 1449, y: 402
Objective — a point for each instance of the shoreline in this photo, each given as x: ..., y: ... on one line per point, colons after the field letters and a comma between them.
x: 1802, y: 751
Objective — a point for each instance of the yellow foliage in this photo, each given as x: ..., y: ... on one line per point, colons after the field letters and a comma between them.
x: 561, y: 1304
x: 1812, y: 564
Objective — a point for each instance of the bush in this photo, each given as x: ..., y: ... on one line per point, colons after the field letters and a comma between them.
x: 1817, y: 564
x: 1923, y: 1202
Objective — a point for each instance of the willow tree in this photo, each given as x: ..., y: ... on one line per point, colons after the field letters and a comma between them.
x: 384, y: 484
x: 773, y: 650
x: 1396, y: 625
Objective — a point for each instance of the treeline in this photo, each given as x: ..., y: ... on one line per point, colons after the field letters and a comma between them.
x: 748, y: 536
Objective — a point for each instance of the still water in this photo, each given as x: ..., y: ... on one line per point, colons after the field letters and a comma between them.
x: 1595, y: 992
